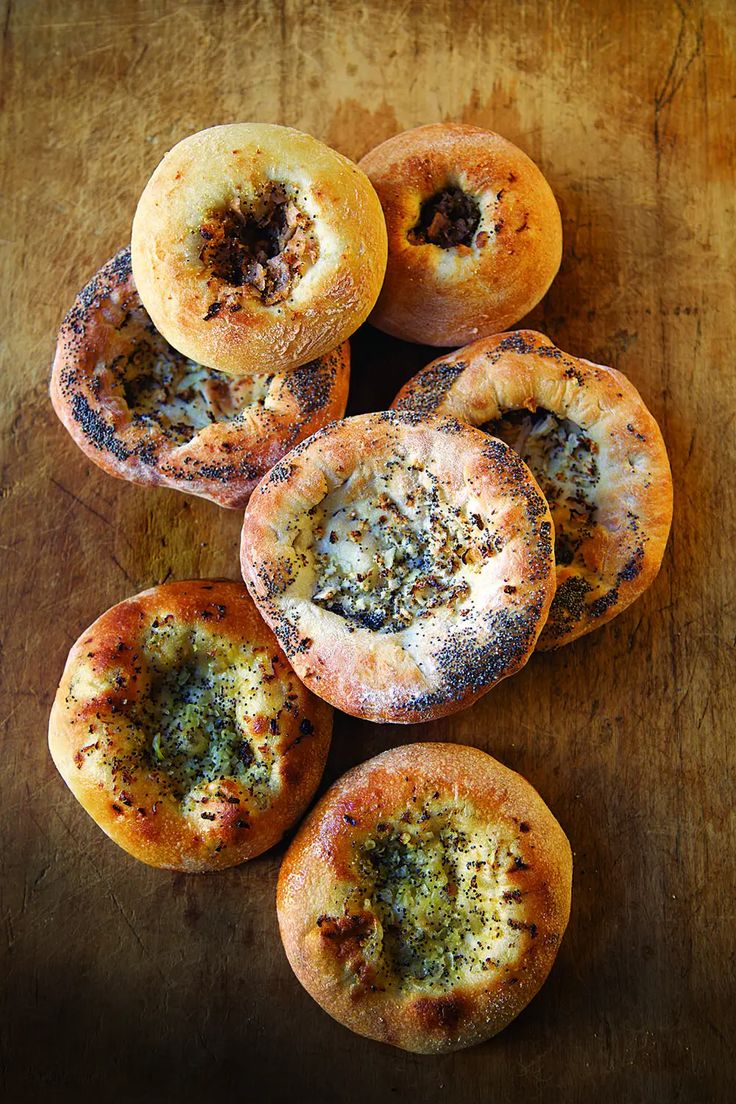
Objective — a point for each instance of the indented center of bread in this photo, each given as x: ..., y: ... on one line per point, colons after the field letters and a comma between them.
x: 166, y: 390
x: 562, y: 457
x: 447, y: 219
x: 386, y: 555
x: 207, y: 715
x: 444, y: 891
x: 263, y: 247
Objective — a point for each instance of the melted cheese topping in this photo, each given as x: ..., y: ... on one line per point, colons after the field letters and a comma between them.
x: 439, y: 887
x: 382, y: 561
x: 562, y: 458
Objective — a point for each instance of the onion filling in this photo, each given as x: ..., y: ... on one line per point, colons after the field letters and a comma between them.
x: 263, y: 248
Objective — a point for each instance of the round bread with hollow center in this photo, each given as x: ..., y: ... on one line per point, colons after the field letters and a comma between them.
x: 595, y: 450
x: 423, y: 901
x: 406, y: 566
x: 474, y: 233
x: 143, y: 412
x: 182, y: 730
x: 257, y: 248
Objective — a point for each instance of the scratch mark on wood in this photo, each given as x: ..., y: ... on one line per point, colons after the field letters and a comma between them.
x: 84, y: 505
x: 121, y: 568
x: 110, y: 891
x: 137, y: 60
x: 699, y: 722
x: 41, y: 875
x: 10, y: 715
x: 675, y: 76
x: 93, y: 51
x: 6, y: 26
x: 634, y: 631
x: 693, y: 435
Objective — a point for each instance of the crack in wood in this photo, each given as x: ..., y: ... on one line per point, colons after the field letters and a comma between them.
x: 676, y: 74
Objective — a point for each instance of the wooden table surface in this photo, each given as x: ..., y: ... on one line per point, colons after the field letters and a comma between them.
x: 124, y: 982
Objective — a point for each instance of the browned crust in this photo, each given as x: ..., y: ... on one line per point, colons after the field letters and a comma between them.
x: 524, y: 370
x: 438, y: 296
x: 224, y: 460
x: 119, y: 784
x: 317, y: 870
x: 330, y: 302
x: 452, y: 659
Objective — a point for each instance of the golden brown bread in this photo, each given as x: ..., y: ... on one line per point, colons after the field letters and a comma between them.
x: 182, y: 730
x: 595, y: 450
x: 474, y: 233
x: 405, y: 565
x: 423, y: 900
x: 257, y: 248
x: 143, y: 412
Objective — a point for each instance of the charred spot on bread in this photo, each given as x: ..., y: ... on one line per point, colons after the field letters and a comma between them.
x: 261, y: 246
x: 443, y: 1013
x: 346, y: 933
x: 447, y: 219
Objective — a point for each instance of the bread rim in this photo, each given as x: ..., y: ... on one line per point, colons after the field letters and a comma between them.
x: 460, y: 505
x: 450, y: 296
x: 357, y: 954
x: 621, y: 555
x: 229, y: 328
x: 108, y: 328
x: 127, y: 777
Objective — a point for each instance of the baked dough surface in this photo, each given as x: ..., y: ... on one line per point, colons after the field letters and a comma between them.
x: 257, y: 248
x: 183, y: 731
x: 423, y: 900
x: 593, y: 447
x: 405, y: 566
x: 143, y: 412
x: 474, y: 233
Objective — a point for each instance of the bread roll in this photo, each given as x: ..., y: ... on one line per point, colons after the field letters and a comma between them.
x: 257, y: 248
x: 595, y: 450
x: 423, y: 901
x: 405, y: 566
x: 143, y: 412
x: 474, y: 233
x: 182, y: 730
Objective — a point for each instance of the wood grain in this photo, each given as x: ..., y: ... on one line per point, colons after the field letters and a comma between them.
x: 118, y: 979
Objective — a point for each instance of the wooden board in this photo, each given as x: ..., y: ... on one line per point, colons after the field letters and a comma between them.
x: 119, y: 979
